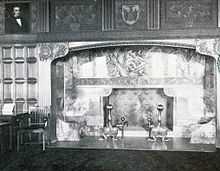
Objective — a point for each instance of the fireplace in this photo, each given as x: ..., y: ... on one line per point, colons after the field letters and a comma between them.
x: 134, y: 79
x: 135, y: 103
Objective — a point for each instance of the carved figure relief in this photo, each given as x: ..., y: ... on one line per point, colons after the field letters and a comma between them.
x: 75, y: 16
x: 190, y: 13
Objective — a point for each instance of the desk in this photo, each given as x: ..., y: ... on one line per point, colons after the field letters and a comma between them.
x: 5, y: 137
x: 7, y: 123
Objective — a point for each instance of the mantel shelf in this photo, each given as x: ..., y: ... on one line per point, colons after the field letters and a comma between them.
x: 110, y: 35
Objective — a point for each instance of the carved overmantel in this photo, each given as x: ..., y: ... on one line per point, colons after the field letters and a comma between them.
x: 48, y: 52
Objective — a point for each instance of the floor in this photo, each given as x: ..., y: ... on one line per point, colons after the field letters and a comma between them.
x: 31, y: 158
x: 134, y: 143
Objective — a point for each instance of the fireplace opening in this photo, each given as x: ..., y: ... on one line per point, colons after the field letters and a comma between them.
x: 136, y: 104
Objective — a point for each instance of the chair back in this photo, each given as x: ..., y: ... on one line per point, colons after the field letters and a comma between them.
x: 22, y: 120
x: 39, y: 115
x: 36, y: 117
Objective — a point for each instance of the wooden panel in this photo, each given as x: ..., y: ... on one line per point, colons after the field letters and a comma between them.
x: 19, y: 107
x: 8, y: 96
x: 189, y: 14
x: 108, y: 14
x: 130, y: 15
x: 7, y: 70
x: 7, y: 52
x: 32, y: 92
x: 128, y: 35
x: 19, y: 51
x: 20, y: 93
x: 31, y: 51
x: 43, y: 15
x: 18, y: 84
x: 32, y: 64
x: 2, y: 18
x: 193, y: 33
x: 20, y: 70
x: 1, y: 81
x: 153, y: 14
x: 76, y: 15
x: 32, y: 71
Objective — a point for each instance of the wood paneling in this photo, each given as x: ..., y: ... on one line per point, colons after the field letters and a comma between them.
x: 189, y: 14
x: 111, y: 35
x: 2, y: 18
x: 90, y: 19
x: 153, y: 14
x: 17, y: 75
x: 71, y: 16
x: 43, y: 8
x: 108, y: 15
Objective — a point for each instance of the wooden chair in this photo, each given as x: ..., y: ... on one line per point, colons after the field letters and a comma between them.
x: 35, y: 121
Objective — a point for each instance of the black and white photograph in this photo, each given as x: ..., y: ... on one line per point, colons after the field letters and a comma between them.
x: 108, y: 85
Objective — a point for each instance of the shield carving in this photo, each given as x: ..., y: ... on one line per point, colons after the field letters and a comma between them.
x: 130, y: 14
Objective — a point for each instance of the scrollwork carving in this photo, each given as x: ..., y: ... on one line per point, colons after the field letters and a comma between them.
x: 209, y: 47
x: 51, y: 51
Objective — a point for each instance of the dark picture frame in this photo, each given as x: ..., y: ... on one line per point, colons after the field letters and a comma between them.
x: 11, y: 25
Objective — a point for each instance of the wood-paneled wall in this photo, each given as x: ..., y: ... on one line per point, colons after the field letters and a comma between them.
x: 18, y: 76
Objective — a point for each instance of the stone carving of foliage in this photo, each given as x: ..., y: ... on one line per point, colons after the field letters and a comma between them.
x: 130, y: 63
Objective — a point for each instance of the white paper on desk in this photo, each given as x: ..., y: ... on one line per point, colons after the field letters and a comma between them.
x: 8, y: 109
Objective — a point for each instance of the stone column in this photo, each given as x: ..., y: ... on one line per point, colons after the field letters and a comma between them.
x: 47, y: 52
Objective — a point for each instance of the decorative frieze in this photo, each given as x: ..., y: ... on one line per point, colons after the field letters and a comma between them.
x: 78, y: 15
x: 189, y: 14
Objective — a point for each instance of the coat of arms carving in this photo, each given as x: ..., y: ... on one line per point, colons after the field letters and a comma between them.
x: 130, y: 13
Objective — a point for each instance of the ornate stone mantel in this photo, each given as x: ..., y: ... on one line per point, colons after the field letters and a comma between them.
x: 47, y: 52
x: 52, y: 51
